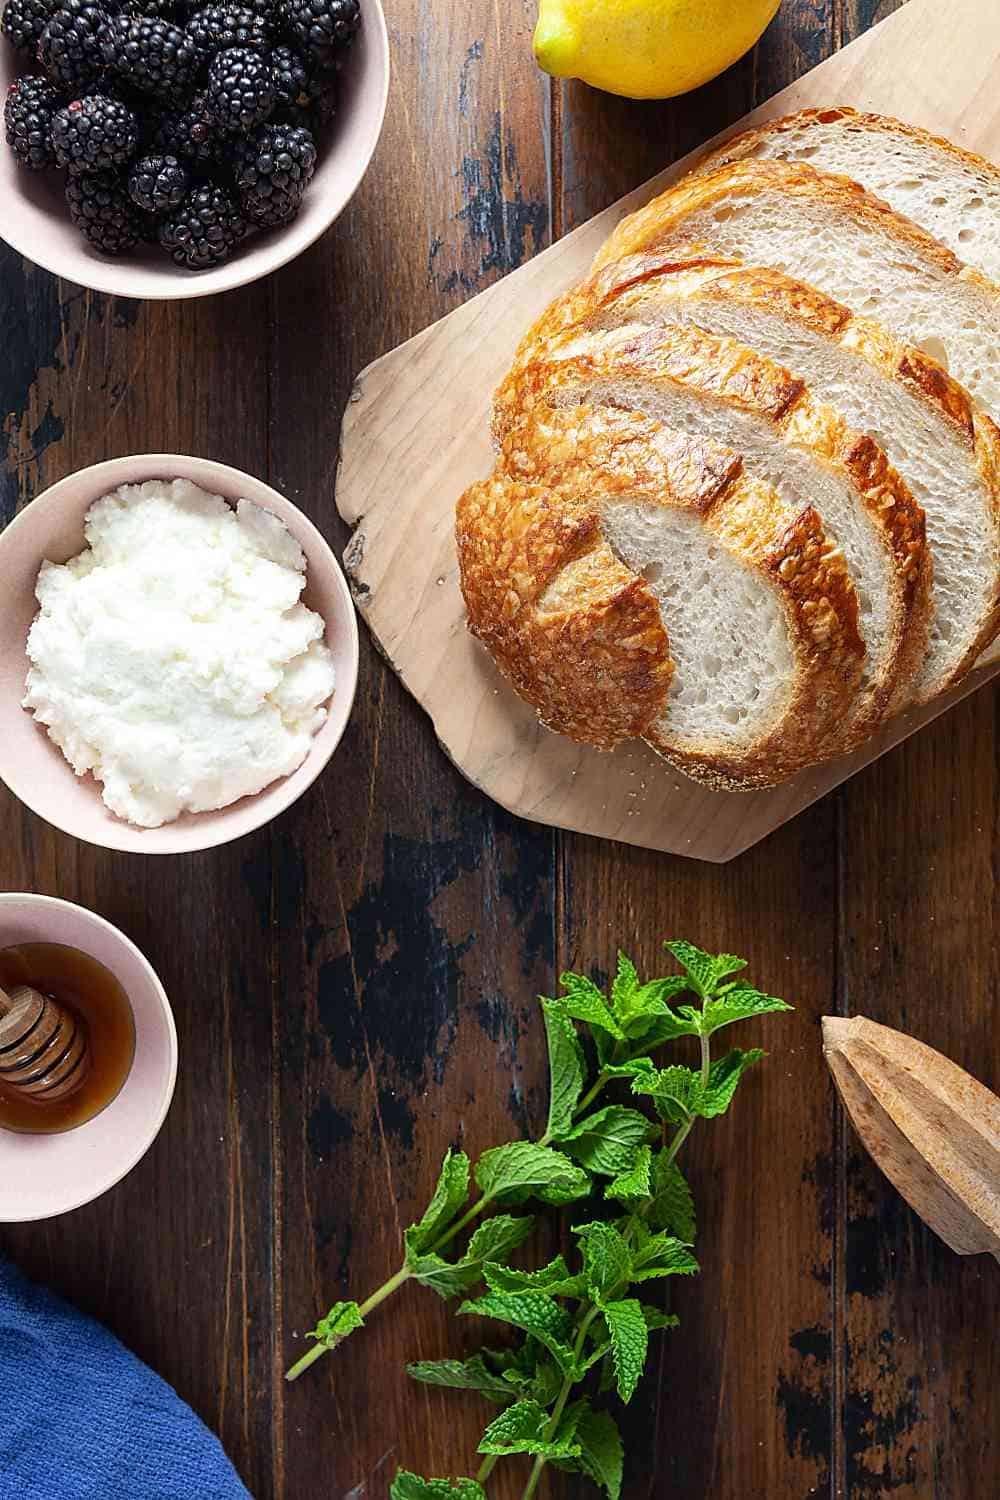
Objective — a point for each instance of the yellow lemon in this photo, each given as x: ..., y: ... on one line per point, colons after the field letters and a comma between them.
x: 647, y: 49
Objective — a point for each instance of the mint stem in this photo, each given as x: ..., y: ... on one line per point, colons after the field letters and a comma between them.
x: 318, y: 1350
x: 486, y: 1468
x: 552, y: 1425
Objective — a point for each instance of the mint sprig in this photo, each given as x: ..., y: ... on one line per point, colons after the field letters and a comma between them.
x: 585, y: 1325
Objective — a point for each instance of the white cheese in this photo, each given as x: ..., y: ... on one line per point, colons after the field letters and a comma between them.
x: 172, y: 659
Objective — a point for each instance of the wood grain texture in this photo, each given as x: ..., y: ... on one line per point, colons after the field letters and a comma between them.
x: 417, y: 434
x: 381, y: 945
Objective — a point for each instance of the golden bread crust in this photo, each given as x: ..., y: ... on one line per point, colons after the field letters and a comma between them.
x: 543, y: 506
x: 743, y: 146
x: 578, y: 635
x: 659, y: 223
x: 723, y: 370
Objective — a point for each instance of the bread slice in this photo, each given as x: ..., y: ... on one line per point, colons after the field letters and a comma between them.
x: 951, y: 193
x: 829, y: 232
x: 947, y: 453
x: 602, y: 533
x: 717, y: 389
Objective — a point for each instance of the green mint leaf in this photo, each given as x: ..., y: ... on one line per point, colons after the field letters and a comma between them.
x: 625, y: 988
x: 543, y: 1384
x: 442, y: 1276
x: 698, y: 965
x: 462, y: 1375
x: 673, y: 1205
x: 540, y: 1316
x: 556, y: 1279
x: 737, y: 1002
x: 407, y: 1486
x: 497, y: 1238
x: 585, y: 1002
x: 607, y: 1259
x: 522, y: 1429
x: 723, y: 1081
x: 449, y: 1199
x: 342, y: 1319
x: 605, y: 1142
x: 602, y: 1453
x: 662, y: 1255
x: 650, y: 1018
x: 657, y: 1319
x: 675, y: 1091
x: 523, y: 1170
x: 566, y: 1067
x: 636, y: 1181
x: 636, y: 1067
x: 629, y: 1343
x: 726, y: 964
x: 654, y: 1029
x: 493, y: 1240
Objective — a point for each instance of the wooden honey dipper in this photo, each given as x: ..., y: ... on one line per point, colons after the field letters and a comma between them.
x: 43, y: 1048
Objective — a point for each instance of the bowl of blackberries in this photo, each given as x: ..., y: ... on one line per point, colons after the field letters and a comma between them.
x: 173, y: 148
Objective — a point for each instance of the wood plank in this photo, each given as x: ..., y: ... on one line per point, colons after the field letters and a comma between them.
x: 917, y: 951
x: 415, y: 918
x: 177, y: 1259
x: 740, y: 1405
x: 417, y: 432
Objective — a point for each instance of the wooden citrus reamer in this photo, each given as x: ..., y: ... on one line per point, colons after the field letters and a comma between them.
x: 931, y: 1127
x: 43, y: 1048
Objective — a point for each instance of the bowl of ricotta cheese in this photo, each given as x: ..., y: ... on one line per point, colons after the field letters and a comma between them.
x: 178, y: 654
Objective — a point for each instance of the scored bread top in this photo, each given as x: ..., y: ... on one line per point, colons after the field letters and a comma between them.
x: 951, y: 192
x: 578, y: 634
x: 832, y: 233
x: 559, y: 475
x: 637, y: 367
x: 949, y: 453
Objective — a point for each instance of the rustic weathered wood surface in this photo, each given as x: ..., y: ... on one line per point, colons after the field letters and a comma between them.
x: 380, y: 946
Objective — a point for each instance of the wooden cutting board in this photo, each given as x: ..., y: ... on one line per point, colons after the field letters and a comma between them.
x: 417, y: 433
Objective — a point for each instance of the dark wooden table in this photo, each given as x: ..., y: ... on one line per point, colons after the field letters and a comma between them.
x: 354, y: 986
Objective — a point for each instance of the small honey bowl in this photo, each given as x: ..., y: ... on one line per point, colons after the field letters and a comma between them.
x: 88, y: 1056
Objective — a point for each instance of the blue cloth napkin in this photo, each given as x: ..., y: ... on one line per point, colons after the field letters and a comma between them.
x: 82, y: 1419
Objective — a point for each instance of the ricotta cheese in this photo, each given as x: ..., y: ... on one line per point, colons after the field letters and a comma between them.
x: 173, y: 658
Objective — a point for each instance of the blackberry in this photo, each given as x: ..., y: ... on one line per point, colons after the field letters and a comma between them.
x: 27, y: 118
x: 151, y: 55
x: 167, y: 10
x: 70, y: 48
x: 94, y: 133
x: 24, y: 21
x: 272, y: 171
x: 293, y: 88
x: 322, y: 29
x: 157, y: 184
x: 240, y: 91
x: 216, y: 27
x: 190, y: 133
x: 204, y: 229
x: 102, y: 210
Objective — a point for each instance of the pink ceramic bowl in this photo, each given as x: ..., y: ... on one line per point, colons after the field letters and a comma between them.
x: 51, y: 527
x: 35, y: 220
x: 42, y: 1175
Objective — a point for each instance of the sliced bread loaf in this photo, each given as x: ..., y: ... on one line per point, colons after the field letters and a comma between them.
x: 831, y: 233
x: 601, y: 535
x: 717, y: 389
x: 950, y: 192
x: 946, y: 451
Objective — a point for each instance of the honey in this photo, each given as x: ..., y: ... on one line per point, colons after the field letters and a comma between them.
x: 90, y: 992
